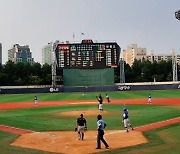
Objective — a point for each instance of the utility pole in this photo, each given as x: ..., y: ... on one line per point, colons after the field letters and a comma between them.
x: 121, y: 68
x: 174, y: 65
x: 54, y: 63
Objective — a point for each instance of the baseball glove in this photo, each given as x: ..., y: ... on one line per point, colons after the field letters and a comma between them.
x: 75, y: 129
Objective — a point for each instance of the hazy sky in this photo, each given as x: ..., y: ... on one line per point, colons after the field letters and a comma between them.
x: 149, y: 23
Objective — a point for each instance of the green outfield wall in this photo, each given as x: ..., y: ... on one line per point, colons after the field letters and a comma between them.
x: 88, y: 77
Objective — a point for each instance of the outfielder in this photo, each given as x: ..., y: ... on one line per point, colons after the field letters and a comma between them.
x: 126, y: 121
x: 149, y: 99
x: 35, y: 101
x: 81, y: 127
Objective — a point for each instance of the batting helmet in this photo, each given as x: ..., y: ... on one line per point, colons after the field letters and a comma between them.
x: 99, y: 117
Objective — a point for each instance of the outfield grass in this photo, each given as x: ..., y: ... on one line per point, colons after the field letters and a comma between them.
x: 161, y: 141
x: 89, y: 95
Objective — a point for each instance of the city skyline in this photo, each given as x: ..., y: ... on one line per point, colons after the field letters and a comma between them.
x: 150, y: 24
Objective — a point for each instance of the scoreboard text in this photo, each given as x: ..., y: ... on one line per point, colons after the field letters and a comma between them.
x: 88, y: 55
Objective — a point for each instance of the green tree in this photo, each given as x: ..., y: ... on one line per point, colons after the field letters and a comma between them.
x: 46, y: 74
x: 9, y: 69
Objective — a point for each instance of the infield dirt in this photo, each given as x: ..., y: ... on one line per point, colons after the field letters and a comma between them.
x: 67, y: 141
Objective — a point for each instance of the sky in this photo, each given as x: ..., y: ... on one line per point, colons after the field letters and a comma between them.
x: 150, y: 24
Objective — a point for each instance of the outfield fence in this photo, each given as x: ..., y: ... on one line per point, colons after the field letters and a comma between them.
x: 116, y: 87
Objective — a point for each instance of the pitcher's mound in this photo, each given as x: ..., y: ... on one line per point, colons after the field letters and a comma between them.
x: 84, y: 112
x: 67, y: 142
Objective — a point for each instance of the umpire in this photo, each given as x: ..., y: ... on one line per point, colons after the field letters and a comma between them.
x: 101, y: 125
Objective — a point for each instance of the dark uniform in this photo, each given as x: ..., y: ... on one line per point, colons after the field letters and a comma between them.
x: 100, y: 100
x: 81, y: 127
x: 101, y: 126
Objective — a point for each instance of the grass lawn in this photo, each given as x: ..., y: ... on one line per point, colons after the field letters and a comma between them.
x: 46, y: 118
x: 163, y: 140
x: 89, y: 95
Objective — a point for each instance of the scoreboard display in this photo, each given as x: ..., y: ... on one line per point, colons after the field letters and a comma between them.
x: 88, y: 55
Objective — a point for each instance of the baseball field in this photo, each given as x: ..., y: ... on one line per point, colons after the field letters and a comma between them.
x: 49, y: 127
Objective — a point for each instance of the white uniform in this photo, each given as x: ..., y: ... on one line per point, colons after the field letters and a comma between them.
x: 149, y: 99
x: 35, y: 101
x: 126, y: 121
x: 100, y: 106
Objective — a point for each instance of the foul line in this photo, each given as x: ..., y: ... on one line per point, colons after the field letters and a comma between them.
x: 158, y: 122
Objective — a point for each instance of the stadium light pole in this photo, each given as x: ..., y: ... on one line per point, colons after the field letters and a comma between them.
x: 177, y: 15
x: 174, y: 57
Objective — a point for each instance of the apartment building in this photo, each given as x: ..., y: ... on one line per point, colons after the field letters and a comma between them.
x: 47, y: 52
x: 134, y: 52
x: 20, y: 54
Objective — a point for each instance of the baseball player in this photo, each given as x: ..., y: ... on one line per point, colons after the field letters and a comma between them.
x: 100, y: 100
x: 35, y: 101
x: 107, y: 98
x: 101, y: 125
x: 149, y: 99
x: 81, y: 127
x: 126, y: 121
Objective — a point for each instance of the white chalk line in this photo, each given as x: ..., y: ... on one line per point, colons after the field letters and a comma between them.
x: 17, y: 128
x: 157, y: 122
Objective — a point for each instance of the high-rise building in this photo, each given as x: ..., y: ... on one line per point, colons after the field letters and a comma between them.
x: 20, y: 54
x: 47, y: 54
x: 133, y: 52
x: 0, y: 53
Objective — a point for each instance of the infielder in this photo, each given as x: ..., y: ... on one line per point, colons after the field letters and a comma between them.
x: 81, y: 127
x: 126, y: 121
x: 100, y: 100
x: 101, y: 125
x: 149, y: 99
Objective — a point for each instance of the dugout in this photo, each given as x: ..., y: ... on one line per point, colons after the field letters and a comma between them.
x: 88, y: 77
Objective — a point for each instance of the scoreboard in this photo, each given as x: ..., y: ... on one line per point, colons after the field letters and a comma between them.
x: 88, y: 55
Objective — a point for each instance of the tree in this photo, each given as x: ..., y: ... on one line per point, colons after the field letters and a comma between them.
x: 46, y: 74
x: 9, y: 69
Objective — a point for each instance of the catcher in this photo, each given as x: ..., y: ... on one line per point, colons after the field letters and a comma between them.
x: 81, y: 127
